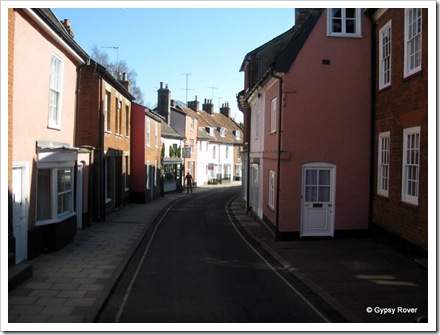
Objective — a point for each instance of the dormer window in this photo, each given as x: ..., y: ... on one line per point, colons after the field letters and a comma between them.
x: 222, y: 131
x: 344, y: 22
x: 237, y: 134
x: 210, y: 130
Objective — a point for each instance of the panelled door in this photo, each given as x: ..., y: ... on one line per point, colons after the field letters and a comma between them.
x: 318, y: 199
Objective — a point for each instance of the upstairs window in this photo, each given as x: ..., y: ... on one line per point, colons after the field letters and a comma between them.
x: 273, y: 115
x: 385, y: 56
x: 107, y: 106
x: 344, y: 22
x: 148, y: 133
x: 56, y: 80
x: 413, y: 41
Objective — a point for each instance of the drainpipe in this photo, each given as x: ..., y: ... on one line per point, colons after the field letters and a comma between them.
x: 101, y: 149
x: 373, y: 123
x: 277, y: 207
x: 248, y: 163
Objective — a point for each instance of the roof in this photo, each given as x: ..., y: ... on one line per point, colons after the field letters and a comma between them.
x: 216, y: 121
x: 48, y: 16
x: 268, y: 51
x: 108, y: 77
x: 282, y: 58
x: 286, y: 57
x: 169, y: 132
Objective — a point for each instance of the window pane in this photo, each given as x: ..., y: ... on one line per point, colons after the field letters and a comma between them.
x: 350, y: 26
x: 324, y: 194
x: 324, y: 177
x: 311, y: 194
x: 311, y: 177
x: 44, y: 204
x: 350, y: 13
x: 337, y: 26
x: 337, y: 12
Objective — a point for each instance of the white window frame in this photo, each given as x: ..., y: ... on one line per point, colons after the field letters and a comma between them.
x: 148, y: 139
x: 107, y: 107
x: 55, y: 91
x: 383, y: 163
x: 344, y: 20
x: 227, y: 152
x: 127, y: 121
x: 411, y: 165
x: 413, y: 39
x: 156, y: 134
x: 271, y: 201
x: 191, y: 145
x: 55, y: 193
x: 385, y: 55
x: 257, y: 124
x: 191, y: 124
x: 273, y: 115
x: 147, y: 175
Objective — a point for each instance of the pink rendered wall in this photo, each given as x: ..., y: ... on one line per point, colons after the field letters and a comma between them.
x: 32, y: 58
x: 138, y: 133
x: 326, y: 118
x: 270, y: 148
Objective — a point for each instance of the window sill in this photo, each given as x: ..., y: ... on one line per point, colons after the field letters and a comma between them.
x: 108, y: 200
x: 345, y: 35
x: 55, y: 221
x: 54, y: 127
x: 409, y: 205
x: 382, y: 196
x: 107, y: 131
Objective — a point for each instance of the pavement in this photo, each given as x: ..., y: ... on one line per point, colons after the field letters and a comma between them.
x: 363, y: 279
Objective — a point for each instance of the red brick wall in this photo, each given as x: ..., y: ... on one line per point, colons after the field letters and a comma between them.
x: 402, y: 105
x: 89, y: 107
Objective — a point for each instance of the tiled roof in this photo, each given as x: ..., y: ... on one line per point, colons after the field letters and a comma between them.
x: 216, y: 121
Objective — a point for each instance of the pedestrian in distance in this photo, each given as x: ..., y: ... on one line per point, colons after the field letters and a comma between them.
x: 188, y: 180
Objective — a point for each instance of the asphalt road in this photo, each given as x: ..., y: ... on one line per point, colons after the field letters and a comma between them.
x: 195, y: 266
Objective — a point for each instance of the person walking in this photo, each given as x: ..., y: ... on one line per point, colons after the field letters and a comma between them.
x: 188, y: 180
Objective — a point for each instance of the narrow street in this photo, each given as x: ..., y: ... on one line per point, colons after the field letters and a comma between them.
x: 194, y: 266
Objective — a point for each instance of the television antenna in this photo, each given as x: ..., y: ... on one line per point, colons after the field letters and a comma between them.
x: 186, y: 89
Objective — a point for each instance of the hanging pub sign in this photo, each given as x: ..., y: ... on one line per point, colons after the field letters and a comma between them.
x: 186, y: 152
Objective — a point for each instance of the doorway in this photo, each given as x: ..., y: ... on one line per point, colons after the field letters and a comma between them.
x: 20, y: 218
x: 318, y: 199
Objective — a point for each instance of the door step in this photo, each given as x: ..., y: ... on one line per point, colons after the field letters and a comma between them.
x: 18, y: 273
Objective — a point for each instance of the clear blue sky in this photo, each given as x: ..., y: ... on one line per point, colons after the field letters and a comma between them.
x: 162, y: 45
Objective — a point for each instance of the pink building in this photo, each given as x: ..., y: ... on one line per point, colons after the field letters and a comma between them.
x: 44, y: 158
x: 313, y: 83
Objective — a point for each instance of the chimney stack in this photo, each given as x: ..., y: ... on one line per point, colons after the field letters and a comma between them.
x: 225, y: 110
x: 194, y: 105
x: 300, y: 15
x: 124, y: 81
x: 208, y: 106
x: 68, y: 27
x: 164, y: 102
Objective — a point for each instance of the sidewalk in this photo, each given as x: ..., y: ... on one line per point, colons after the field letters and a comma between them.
x: 350, y: 274
x: 365, y: 280
x: 70, y: 286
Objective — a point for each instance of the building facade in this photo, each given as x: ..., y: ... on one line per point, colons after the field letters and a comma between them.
x: 400, y: 201
x: 42, y: 152
x: 104, y: 131
x: 310, y: 126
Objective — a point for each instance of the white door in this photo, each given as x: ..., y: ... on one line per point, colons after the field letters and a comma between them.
x: 318, y: 199
x: 19, y: 213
